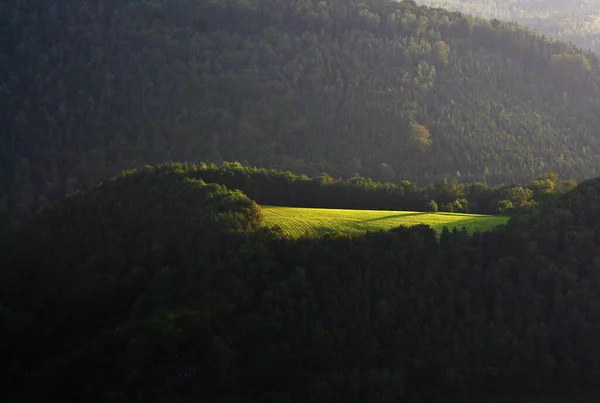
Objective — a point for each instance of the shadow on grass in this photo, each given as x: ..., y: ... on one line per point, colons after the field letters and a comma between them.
x: 451, y: 214
x: 471, y: 224
x: 391, y: 217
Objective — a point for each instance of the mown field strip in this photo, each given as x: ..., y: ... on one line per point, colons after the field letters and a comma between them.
x: 298, y: 222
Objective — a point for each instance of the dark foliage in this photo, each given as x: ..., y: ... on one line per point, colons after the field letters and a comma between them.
x: 283, y: 188
x: 156, y: 287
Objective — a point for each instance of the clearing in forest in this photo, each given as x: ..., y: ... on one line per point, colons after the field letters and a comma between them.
x: 298, y: 222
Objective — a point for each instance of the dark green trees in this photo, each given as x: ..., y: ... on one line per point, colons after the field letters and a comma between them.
x: 156, y: 286
x: 431, y: 207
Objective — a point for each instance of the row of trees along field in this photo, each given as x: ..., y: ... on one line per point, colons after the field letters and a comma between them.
x: 283, y: 188
x: 158, y: 287
x: 380, y: 89
x: 576, y: 21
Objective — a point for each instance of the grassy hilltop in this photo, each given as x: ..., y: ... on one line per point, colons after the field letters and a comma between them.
x: 313, y: 221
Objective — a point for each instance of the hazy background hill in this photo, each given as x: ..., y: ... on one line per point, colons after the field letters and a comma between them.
x: 382, y: 89
x: 576, y: 21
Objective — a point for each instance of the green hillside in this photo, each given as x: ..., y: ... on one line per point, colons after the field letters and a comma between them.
x: 378, y: 88
x: 312, y: 221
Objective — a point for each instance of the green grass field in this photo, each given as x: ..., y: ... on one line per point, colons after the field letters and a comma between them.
x: 297, y: 222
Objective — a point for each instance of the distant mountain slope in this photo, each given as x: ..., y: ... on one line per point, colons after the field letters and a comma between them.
x: 382, y: 89
x: 576, y: 21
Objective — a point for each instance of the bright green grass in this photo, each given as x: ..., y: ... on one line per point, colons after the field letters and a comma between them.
x: 297, y: 222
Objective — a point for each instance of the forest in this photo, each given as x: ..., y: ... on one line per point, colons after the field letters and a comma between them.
x: 378, y: 89
x: 139, y: 139
x: 156, y: 286
x: 576, y: 21
x: 284, y: 188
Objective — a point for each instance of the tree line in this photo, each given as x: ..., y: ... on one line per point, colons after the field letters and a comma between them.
x: 284, y: 188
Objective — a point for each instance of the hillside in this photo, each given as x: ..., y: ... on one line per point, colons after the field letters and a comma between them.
x: 381, y: 89
x: 155, y: 287
x: 576, y: 21
x: 299, y: 222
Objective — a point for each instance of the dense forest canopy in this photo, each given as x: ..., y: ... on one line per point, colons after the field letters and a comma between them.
x: 163, y: 284
x: 576, y: 21
x: 382, y: 89
x: 155, y: 286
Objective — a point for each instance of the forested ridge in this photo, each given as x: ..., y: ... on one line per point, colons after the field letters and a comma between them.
x: 381, y: 89
x: 284, y: 188
x: 156, y: 286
